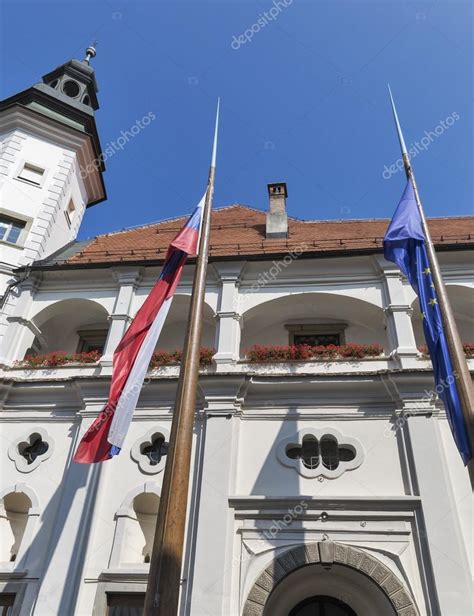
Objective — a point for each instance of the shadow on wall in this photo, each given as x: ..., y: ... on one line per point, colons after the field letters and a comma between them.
x: 70, y: 325
x: 172, y: 335
x: 77, y: 488
x: 462, y: 303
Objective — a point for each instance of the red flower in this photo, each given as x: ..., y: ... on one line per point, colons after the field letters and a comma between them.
x: 59, y: 358
x: 169, y: 358
x: 304, y: 352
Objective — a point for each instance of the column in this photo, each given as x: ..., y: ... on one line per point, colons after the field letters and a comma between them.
x: 128, y: 279
x: 398, y: 314
x: 228, y: 317
x: 20, y: 332
x: 444, y: 539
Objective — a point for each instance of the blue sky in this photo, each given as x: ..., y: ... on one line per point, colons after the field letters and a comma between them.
x: 304, y: 99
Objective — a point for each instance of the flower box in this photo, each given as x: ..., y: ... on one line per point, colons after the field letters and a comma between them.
x: 468, y: 348
x: 306, y: 352
x: 58, y: 358
x: 170, y: 358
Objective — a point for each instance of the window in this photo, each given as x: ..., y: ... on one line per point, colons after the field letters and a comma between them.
x: 317, y: 339
x: 308, y: 452
x: 320, y: 452
x: 71, y: 88
x: 10, y: 229
x: 32, y: 449
x: 91, y: 340
x: 150, y: 450
x: 6, y: 603
x: 70, y: 212
x: 317, y: 335
x: 31, y: 174
x: 125, y: 604
x: 327, y: 452
x: 155, y: 450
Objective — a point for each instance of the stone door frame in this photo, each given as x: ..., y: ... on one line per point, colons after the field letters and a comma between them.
x: 327, y: 553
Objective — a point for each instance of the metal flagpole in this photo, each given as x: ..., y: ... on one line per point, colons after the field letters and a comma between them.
x: 162, y: 595
x: 458, y: 358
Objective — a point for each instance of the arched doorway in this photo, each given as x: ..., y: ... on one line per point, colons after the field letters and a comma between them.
x: 335, y: 574
x: 322, y: 606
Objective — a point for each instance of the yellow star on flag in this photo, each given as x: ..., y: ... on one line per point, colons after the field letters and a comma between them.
x: 433, y: 301
x: 427, y: 271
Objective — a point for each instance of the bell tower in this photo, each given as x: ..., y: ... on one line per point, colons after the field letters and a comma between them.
x: 74, y: 83
x: 51, y: 166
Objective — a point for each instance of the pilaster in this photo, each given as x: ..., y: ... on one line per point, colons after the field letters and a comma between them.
x: 211, y: 570
x: 20, y: 331
x: 449, y: 561
x: 227, y: 315
x: 128, y: 280
x: 398, y: 315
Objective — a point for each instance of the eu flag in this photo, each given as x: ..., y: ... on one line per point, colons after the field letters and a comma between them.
x: 404, y: 244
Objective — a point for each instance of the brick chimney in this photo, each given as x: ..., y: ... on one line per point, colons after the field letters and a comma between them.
x: 277, y: 220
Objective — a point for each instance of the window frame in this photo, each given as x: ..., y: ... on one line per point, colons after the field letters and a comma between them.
x: 16, y: 457
x: 8, y: 223
x: 316, y: 329
x: 141, y: 459
x: 321, y: 470
x: 70, y: 217
x: 113, y: 581
x: 28, y: 162
x: 18, y: 589
x: 24, y: 220
x: 88, y: 338
x: 113, y: 597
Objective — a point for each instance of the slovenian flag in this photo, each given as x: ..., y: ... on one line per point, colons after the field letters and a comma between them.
x: 132, y: 357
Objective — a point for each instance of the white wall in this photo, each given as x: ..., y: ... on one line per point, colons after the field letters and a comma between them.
x: 42, y: 207
x: 81, y: 506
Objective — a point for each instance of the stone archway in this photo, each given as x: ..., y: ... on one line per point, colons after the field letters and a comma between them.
x: 327, y: 554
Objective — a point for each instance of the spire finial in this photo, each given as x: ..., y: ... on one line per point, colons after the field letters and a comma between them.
x: 91, y: 52
x: 214, y: 147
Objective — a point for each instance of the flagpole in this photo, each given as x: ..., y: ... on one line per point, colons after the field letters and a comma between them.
x: 456, y: 352
x: 162, y: 595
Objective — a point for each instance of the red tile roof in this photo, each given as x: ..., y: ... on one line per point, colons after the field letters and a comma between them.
x: 239, y: 231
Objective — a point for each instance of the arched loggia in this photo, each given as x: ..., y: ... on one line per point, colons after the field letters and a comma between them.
x: 271, y: 322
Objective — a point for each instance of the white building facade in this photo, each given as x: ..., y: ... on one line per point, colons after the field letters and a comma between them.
x: 330, y: 483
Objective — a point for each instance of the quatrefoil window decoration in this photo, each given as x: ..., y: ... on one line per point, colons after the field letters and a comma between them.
x: 316, y: 452
x: 155, y: 450
x: 150, y: 451
x: 327, y: 452
x: 33, y: 448
x: 30, y: 450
